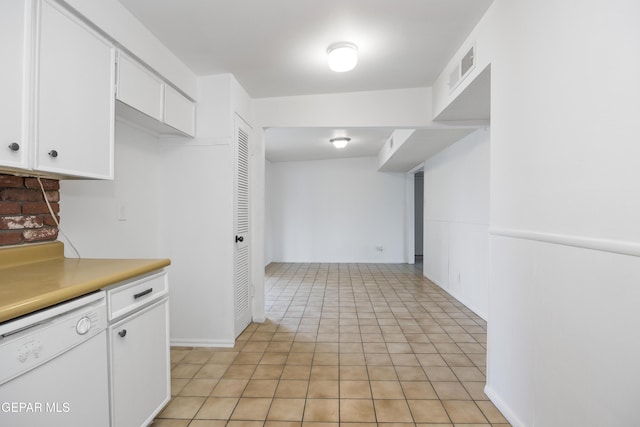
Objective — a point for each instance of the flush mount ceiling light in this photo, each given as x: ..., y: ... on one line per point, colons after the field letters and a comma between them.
x: 340, y: 142
x: 342, y: 56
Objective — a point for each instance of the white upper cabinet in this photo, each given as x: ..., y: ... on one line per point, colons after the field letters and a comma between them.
x: 58, y: 93
x: 74, y: 102
x: 139, y: 88
x: 164, y: 109
x: 179, y: 111
x: 15, y: 49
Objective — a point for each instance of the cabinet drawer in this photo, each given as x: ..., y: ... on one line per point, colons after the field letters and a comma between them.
x: 124, y: 298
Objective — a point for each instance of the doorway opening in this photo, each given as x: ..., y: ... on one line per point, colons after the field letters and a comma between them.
x: 418, y: 216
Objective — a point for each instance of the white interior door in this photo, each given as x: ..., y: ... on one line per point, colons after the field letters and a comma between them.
x: 242, y: 234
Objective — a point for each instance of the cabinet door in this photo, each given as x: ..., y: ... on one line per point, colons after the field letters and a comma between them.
x: 139, y: 88
x: 241, y: 255
x: 179, y: 112
x: 139, y: 347
x: 74, y: 132
x: 15, y: 49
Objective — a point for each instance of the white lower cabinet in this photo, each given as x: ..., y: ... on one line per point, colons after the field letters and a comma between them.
x: 139, y: 351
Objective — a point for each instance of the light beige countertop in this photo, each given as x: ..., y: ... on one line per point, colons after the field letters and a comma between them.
x: 33, y: 277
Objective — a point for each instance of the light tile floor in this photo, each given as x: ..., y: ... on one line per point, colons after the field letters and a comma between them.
x: 344, y: 344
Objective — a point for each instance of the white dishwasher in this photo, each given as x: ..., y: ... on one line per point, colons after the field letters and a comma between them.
x: 53, y: 366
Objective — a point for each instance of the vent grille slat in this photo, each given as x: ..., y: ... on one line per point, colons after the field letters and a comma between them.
x: 242, y: 185
x: 242, y: 282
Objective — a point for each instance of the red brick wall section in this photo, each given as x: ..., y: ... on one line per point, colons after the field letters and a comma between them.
x: 24, y: 216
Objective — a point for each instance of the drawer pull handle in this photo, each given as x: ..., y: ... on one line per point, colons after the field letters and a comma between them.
x: 143, y: 293
x: 122, y: 333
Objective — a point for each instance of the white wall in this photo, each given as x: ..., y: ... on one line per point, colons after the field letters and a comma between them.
x: 198, y: 233
x: 268, y: 212
x: 385, y: 108
x: 178, y: 197
x: 258, y: 246
x: 198, y: 218
x: 221, y: 99
x: 336, y: 211
x: 565, y: 242
x: 456, y: 220
x: 90, y: 209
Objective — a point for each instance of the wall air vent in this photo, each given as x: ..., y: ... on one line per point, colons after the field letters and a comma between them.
x: 462, y: 68
x: 467, y: 63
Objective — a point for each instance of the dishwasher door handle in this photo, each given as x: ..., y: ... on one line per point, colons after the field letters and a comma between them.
x: 143, y: 293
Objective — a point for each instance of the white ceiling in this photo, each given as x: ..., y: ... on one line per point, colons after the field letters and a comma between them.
x: 278, y: 48
x: 287, y: 144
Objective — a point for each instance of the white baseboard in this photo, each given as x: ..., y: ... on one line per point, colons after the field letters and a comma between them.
x: 201, y: 343
x: 481, y: 314
x: 503, y: 407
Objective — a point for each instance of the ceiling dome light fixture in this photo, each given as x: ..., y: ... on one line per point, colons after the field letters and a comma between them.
x: 342, y: 56
x: 340, y: 142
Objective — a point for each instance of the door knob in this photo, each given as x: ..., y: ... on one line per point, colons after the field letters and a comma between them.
x: 239, y: 239
x: 14, y: 146
x: 53, y: 153
x: 122, y: 333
